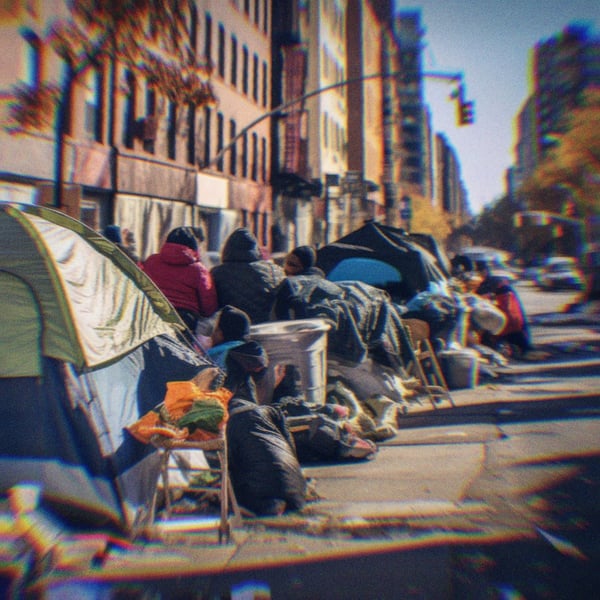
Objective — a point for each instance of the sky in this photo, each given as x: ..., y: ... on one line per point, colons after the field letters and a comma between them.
x: 491, y: 43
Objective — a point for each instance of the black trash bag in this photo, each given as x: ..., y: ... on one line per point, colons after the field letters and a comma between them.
x: 263, y: 465
x: 317, y: 437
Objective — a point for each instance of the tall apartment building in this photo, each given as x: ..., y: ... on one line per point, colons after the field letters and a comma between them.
x: 364, y: 180
x: 526, y: 149
x: 409, y: 34
x: 236, y: 38
x: 139, y: 158
x: 323, y: 29
x: 451, y: 194
x: 564, y: 65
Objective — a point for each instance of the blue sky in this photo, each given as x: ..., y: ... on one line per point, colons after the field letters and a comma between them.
x: 491, y: 42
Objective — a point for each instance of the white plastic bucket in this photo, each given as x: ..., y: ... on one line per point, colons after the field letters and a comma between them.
x: 460, y: 368
x: 302, y: 343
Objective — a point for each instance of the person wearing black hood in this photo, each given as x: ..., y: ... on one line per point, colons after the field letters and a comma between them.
x: 302, y: 261
x: 244, y: 279
x: 265, y: 472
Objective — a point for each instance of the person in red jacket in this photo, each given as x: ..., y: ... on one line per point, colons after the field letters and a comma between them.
x: 180, y: 275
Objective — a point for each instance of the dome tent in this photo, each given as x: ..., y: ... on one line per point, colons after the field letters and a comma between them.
x: 383, y: 256
x: 87, y: 344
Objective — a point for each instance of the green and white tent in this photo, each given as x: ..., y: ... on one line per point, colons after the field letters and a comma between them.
x: 87, y: 344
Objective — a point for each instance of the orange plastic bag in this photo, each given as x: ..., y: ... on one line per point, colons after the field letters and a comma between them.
x: 178, y: 400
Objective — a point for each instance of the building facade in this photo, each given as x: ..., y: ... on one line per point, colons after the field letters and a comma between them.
x: 141, y: 159
x: 564, y: 66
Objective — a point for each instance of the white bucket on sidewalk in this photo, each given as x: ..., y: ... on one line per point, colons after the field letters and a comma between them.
x: 303, y: 343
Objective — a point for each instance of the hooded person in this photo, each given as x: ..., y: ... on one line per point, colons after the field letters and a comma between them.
x: 113, y: 233
x: 245, y: 279
x: 302, y: 260
x: 232, y: 329
x: 180, y: 275
x: 265, y: 472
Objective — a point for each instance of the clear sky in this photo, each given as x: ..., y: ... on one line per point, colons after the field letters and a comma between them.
x: 491, y: 42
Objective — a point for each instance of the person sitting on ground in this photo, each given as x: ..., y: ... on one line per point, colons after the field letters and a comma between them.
x: 245, y: 279
x: 302, y: 261
x: 232, y: 329
x: 180, y: 275
x: 265, y: 472
x: 515, y: 335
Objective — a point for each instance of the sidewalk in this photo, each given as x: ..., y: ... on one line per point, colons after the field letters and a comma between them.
x: 410, y: 496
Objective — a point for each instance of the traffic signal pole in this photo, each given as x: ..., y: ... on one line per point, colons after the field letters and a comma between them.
x: 455, y: 77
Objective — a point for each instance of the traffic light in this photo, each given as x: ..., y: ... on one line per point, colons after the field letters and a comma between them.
x: 466, y: 113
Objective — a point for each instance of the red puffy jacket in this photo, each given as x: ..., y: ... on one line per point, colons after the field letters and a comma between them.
x: 182, y: 278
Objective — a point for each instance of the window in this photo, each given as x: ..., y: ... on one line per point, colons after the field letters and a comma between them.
x: 221, y: 58
x: 255, y: 77
x: 234, y: 52
x: 172, y: 131
x: 191, y: 134
x: 263, y: 159
x: 32, y: 61
x: 220, y: 139
x: 265, y: 81
x: 245, y: 155
x: 193, y: 28
x: 254, y: 157
x: 265, y: 15
x: 256, y: 12
x: 247, y: 6
x: 233, y: 150
x: 207, y: 116
x: 245, y: 66
x: 129, y: 116
x: 208, y: 37
x: 150, y: 114
x: 94, y: 104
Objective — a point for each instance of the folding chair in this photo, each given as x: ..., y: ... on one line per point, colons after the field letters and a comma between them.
x: 424, y: 364
x: 225, y: 491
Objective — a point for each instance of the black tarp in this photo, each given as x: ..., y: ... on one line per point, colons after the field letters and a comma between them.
x: 416, y: 266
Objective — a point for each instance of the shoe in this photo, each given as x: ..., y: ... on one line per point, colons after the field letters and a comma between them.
x: 534, y: 355
x: 359, y: 448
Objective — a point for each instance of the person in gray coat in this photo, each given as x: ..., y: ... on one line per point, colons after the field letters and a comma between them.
x: 244, y: 279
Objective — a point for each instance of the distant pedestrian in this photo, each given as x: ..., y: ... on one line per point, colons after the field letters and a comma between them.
x: 179, y: 273
x: 113, y: 233
x: 245, y: 279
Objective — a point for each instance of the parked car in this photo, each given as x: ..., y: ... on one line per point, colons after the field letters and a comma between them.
x: 561, y: 272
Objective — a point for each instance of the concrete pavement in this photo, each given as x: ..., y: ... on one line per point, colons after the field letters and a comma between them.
x: 422, y: 491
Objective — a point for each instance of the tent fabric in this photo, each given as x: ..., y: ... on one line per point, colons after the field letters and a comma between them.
x: 88, y: 346
x: 71, y: 267
x: 416, y: 265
